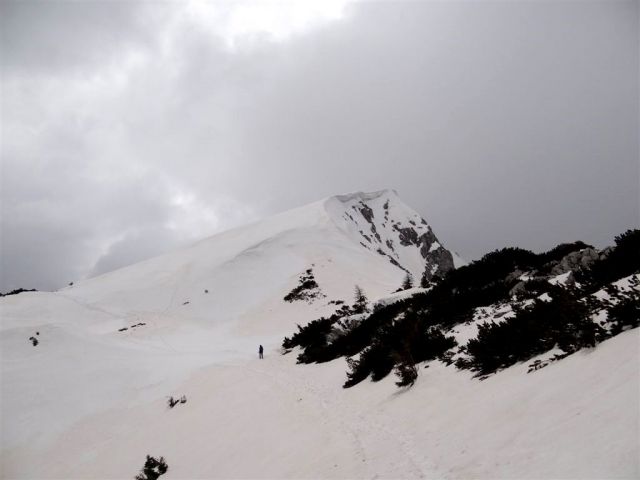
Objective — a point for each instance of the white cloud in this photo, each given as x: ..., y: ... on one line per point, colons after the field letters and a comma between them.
x: 238, y: 23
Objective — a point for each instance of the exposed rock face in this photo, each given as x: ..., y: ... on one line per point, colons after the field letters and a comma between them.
x: 408, y: 236
x: 517, y: 273
x: 518, y: 288
x: 570, y: 263
x: 576, y: 261
x: 427, y: 243
x: 442, y: 259
x: 604, y: 253
x: 367, y: 213
x: 388, y: 227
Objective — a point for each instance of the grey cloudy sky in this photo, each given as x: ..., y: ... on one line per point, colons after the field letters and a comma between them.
x: 132, y: 128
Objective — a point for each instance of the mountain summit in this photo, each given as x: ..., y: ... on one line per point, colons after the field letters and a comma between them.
x: 129, y: 335
x: 382, y: 223
x: 369, y: 239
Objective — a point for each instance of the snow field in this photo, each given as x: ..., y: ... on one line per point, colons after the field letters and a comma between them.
x: 90, y: 400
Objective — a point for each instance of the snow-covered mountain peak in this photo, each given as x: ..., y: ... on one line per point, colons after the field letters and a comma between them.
x: 370, y: 232
x: 239, y: 278
x: 382, y: 223
x: 366, y: 196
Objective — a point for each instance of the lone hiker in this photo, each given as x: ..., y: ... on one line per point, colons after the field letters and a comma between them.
x: 260, y: 352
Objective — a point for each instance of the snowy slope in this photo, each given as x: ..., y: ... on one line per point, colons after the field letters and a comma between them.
x: 247, y: 271
x: 274, y: 419
x: 251, y: 265
x: 89, y: 401
x: 130, y: 335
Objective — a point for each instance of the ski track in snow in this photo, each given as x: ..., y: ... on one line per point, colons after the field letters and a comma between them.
x: 306, y: 392
x: 343, y: 416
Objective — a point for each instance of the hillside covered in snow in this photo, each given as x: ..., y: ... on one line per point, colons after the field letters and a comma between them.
x: 510, y: 306
x: 160, y: 359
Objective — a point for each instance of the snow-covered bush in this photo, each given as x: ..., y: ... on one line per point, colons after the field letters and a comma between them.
x: 563, y: 322
x: 306, y: 290
x: 625, y: 314
x: 407, y: 374
x: 152, y: 469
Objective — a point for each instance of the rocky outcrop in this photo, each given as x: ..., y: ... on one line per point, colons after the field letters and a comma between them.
x: 574, y: 261
x: 430, y: 249
x: 388, y: 227
x: 442, y: 259
x: 406, y: 235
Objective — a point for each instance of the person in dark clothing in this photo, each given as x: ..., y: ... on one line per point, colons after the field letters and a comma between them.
x: 261, y: 352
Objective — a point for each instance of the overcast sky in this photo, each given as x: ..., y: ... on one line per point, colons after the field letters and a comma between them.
x: 129, y: 129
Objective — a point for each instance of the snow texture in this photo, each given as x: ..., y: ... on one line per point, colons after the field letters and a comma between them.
x: 90, y: 400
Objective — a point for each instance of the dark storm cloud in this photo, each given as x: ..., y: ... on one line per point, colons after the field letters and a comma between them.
x: 502, y: 123
x: 130, y: 129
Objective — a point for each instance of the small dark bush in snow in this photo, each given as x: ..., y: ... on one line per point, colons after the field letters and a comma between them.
x: 360, y: 304
x: 172, y: 402
x: 407, y: 283
x: 152, y: 469
x: 424, y: 280
x: 407, y: 374
x: 306, y: 290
